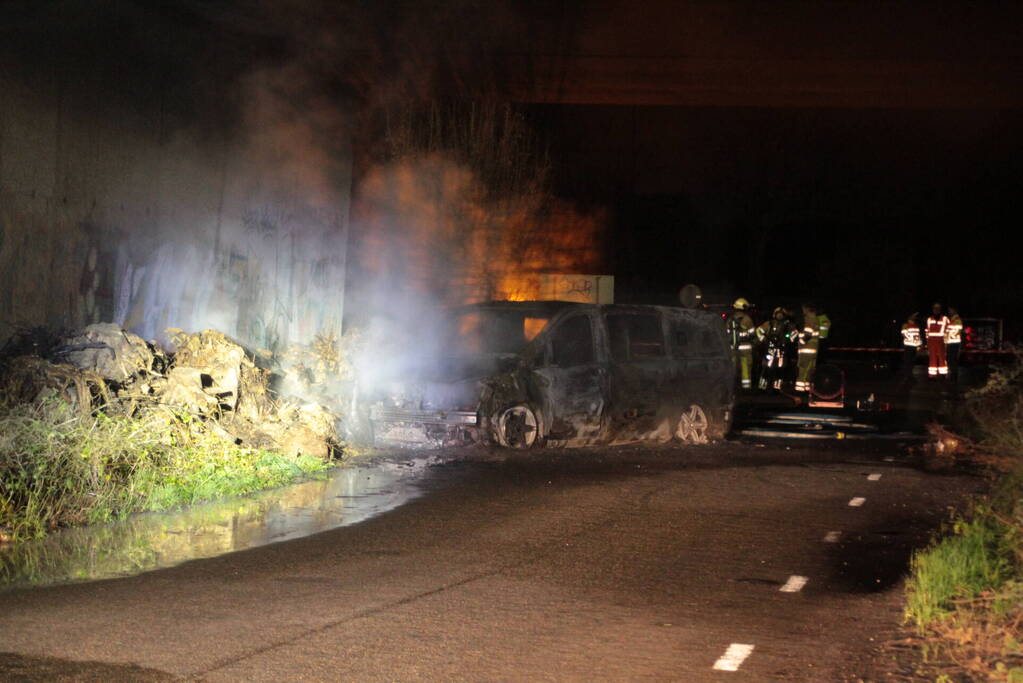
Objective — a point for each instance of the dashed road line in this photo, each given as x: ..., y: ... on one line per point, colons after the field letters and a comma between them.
x: 873, y: 477
x: 734, y: 656
x: 857, y: 502
x: 832, y: 536
x: 794, y: 584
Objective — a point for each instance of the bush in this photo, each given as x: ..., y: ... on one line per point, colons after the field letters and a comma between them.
x: 965, y: 592
x: 61, y: 468
x: 996, y: 410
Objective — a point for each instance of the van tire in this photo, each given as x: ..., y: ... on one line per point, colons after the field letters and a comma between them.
x: 693, y: 426
x: 518, y: 427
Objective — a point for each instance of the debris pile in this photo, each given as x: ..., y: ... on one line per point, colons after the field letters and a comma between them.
x: 941, y: 449
x: 227, y: 388
x: 323, y: 373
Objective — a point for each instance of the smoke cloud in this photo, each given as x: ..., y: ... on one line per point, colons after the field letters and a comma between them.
x: 267, y: 264
x: 297, y: 165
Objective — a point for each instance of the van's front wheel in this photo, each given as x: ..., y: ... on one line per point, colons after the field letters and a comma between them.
x: 693, y: 425
x: 518, y: 427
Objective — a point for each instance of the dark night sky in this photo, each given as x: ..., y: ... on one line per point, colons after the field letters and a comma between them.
x: 867, y: 154
x: 875, y: 208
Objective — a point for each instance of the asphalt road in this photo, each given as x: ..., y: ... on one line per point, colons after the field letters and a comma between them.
x: 611, y: 564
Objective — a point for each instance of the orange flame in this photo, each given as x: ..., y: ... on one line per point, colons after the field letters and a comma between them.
x: 427, y: 225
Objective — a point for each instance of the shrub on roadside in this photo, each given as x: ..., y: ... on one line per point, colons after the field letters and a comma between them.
x: 61, y: 468
x: 996, y: 410
x: 965, y: 591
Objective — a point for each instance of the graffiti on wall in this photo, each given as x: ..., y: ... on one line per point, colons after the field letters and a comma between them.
x: 275, y: 280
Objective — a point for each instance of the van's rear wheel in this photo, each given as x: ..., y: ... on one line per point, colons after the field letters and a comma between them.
x: 518, y: 427
x: 693, y: 425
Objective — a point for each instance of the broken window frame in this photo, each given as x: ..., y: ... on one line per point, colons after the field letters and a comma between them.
x: 630, y: 355
x: 552, y: 331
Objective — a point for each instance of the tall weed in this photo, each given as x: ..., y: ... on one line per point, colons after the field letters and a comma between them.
x: 965, y: 591
x: 59, y: 468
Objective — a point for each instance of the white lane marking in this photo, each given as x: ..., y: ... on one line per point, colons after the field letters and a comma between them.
x: 857, y: 501
x: 873, y: 477
x: 734, y: 656
x: 832, y: 536
x: 794, y: 584
x: 889, y: 458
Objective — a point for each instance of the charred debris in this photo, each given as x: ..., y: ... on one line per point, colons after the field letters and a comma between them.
x: 253, y: 398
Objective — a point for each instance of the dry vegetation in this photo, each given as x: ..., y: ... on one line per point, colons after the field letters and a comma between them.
x: 59, y: 467
x: 101, y: 424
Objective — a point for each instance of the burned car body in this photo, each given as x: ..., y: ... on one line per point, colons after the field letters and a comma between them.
x: 529, y: 374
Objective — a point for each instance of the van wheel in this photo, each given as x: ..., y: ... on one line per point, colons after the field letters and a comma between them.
x: 517, y: 427
x: 693, y: 426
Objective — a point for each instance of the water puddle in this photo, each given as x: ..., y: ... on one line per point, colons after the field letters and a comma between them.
x: 154, y: 540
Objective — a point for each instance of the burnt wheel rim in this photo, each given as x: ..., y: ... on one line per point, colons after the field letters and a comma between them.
x: 693, y: 425
x: 518, y: 427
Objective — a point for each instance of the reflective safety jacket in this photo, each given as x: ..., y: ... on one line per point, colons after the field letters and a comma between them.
x: 824, y: 322
x: 740, y: 331
x: 936, y: 326
x: 775, y: 332
x: 911, y: 334
x: 809, y: 338
x: 954, y: 330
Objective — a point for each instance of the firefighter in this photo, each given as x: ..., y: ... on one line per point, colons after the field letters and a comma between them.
x: 910, y: 345
x: 809, y: 341
x: 775, y: 335
x: 740, y: 333
x: 825, y: 326
x: 937, y: 323
x: 953, y: 342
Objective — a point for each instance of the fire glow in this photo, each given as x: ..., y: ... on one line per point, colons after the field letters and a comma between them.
x: 430, y: 229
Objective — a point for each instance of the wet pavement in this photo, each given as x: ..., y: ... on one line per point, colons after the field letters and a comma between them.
x: 666, y: 563
x: 144, y: 542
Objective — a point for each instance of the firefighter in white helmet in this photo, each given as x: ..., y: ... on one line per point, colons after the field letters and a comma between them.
x: 740, y: 334
x: 809, y: 341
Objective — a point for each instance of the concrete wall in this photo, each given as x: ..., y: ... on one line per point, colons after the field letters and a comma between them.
x: 110, y: 211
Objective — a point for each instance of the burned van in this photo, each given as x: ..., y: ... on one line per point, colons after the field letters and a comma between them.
x: 533, y: 374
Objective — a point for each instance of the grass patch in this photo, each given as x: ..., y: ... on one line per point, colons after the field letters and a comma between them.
x: 972, y: 561
x: 965, y: 591
x: 60, y: 468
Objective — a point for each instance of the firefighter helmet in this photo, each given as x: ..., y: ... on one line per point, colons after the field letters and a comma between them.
x: 740, y: 304
x: 777, y: 310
